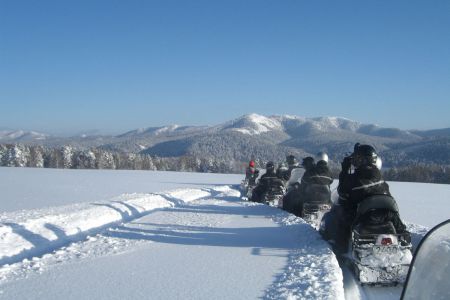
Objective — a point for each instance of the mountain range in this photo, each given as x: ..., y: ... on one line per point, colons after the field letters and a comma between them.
x: 262, y: 137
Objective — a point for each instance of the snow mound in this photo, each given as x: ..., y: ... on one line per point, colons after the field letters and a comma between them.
x: 313, y: 271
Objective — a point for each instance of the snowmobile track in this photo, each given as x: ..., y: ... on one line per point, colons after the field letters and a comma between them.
x: 35, y: 234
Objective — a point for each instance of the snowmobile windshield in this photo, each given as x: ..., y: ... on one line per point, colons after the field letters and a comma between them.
x: 429, y: 271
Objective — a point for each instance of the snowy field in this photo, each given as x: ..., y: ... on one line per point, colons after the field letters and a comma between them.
x: 94, y: 234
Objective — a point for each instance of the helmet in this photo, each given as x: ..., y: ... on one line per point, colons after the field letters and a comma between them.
x: 270, y: 166
x: 251, y: 164
x: 291, y: 160
x: 282, y: 166
x: 364, y: 155
x: 322, y: 156
x: 379, y: 163
x: 308, y: 162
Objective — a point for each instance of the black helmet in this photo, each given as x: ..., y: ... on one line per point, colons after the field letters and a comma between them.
x: 308, y: 162
x: 270, y: 166
x: 364, y: 155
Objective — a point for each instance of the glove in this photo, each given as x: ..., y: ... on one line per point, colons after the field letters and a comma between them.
x: 346, y: 163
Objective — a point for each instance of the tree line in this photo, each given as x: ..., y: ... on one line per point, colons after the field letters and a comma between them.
x: 430, y: 173
x: 68, y: 157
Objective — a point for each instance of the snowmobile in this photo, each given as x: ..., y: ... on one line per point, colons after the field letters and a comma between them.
x: 292, y: 186
x: 378, y: 254
x: 247, y: 189
x: 313, y: 213
x: 316, y: 204
x: 274, y: 195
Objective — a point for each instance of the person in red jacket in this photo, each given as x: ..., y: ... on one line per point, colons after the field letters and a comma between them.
x: 251, y: 173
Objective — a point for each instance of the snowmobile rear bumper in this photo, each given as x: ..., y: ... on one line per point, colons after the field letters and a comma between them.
x: 391, y: 275
x: 381, y: 264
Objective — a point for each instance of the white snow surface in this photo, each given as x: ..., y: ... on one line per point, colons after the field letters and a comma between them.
x: 96, y: 234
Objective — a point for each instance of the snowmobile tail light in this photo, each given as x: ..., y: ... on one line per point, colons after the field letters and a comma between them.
x: 386, y: 241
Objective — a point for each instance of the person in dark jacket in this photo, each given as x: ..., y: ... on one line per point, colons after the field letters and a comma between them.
x: 266, y: 182
x: 315, y: 183
x: 292, y: 163
x: 292, y: 201
x: 365, y: 181
x: 322, y: 174
x: 309, y: 165
x: 281, y: 170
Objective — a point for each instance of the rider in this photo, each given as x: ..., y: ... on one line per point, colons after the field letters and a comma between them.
x: 281, y: 170
x: 309, y: 166
x: 264, y: 182
x: 355, y: 187
x: 365, y: 181
x: 292, y: 164
x: 322, y: 174
x: 251, y: 173
x: 292, y: 201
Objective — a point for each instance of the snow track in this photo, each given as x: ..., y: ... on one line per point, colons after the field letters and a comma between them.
x: 24, y: 237
x: 196, y: 237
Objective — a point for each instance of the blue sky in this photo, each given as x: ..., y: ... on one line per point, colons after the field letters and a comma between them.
x: 71, y: 66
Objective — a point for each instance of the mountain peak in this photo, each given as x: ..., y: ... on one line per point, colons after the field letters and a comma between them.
x: 252, y: 124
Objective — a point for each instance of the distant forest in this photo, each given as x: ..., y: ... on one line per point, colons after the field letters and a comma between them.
x: 66, y: 157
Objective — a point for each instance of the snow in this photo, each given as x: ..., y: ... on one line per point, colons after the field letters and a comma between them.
x: 102, y: 234
x: 28, y: 188
x: 169, y: 128
x: 259, y: 124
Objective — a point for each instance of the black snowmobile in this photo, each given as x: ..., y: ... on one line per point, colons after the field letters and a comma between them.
x: 316, y: 202
x: 273, y: 195
x: 378, y: 254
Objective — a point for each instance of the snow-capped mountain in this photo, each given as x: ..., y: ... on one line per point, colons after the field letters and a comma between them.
x: 163, y: 130
x: 266, y: 137
x: 252, y: 124
x: 21, y: 136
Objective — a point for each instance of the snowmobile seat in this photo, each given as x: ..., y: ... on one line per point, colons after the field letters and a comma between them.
x: 367, y: 229
x: 377, y: 202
